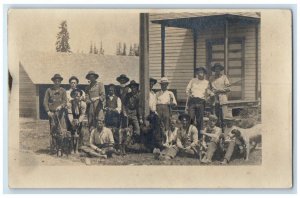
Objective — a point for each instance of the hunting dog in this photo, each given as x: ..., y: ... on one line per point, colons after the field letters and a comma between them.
x: 250, y: 136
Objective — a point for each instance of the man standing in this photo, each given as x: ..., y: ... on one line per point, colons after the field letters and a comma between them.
x: 55, y: 101
x: 95, y: 98
x: 101, y: 140
x: 220, y: 86
x: 112, y: 108
x: 133, y: 109
x: 152, y: 96
x: 76, y: 111
x: 73, y: 81
x: 165, y: 102
x: 196, y: 92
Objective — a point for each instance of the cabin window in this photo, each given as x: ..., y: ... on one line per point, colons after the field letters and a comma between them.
x: 235, y: 72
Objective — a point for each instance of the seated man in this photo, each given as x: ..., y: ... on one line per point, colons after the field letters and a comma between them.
x: 76, y: 111
x: 170, y: 143
x: 101, y: 141
x: 211, y: 136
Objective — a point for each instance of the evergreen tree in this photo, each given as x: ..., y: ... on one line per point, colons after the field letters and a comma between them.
x: 136, y: 49
x: 101, y: 51
x: 62, y: 38
x: 91, y: 48
x: 95, y: 49
x: 131, y: 51
x: 124, y: 50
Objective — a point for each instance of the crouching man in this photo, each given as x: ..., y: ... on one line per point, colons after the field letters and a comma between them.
x: 211, y: 137
x: 101, y: 141
x: 186, y: 141
x: 76, y: 111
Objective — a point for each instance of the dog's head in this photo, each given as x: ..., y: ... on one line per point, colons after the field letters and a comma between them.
x: 235, y: 133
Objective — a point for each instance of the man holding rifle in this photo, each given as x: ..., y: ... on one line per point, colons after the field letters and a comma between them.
x: 220, y: 86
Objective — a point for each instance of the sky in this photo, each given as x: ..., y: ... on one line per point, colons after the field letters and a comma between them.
x: 36, y: 30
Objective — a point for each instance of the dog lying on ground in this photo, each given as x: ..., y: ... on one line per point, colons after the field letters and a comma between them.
x: 250, y: 136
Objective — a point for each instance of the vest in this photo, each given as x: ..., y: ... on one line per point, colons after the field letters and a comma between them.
x: 112, y: 103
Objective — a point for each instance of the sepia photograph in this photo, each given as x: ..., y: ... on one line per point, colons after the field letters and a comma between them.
x: 95, y: 88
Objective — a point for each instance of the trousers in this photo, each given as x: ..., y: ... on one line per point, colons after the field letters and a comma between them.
x: 163, y: 111
x: 196, y: 112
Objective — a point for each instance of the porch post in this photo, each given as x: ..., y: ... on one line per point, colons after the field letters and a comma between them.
x: 195, y: 36
x: 256, y: 61
x: 144, y: 63
x: 226, y: 47
x: 162, y: 50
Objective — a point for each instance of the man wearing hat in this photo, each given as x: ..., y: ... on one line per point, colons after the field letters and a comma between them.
x: 197, y: 92
x: 211, y: 136
x: 133, y: 109
x: 95, y: 98
x: 165, y: 102
x: 55, y: 101
x: 121, y: 92
x: 76, y: 111
x: 221, y: 87
x: 73, y: 81
x: 101, y: 143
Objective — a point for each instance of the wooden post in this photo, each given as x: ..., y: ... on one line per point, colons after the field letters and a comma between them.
x: 37, y: 101
x: 195, y: 36
x: 162, y: 50
x: 226, y: 47
x: 144, y: 63
x: 256, y: 61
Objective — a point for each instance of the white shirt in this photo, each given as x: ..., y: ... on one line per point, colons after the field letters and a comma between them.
x: 69, y: 98
x: 152, y: 101
x: 197, y: 88
x: 119, y: 103
x: 165, y: 97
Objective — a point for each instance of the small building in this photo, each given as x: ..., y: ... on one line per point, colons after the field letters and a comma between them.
x: 179, y: 42
x: 36, y: 70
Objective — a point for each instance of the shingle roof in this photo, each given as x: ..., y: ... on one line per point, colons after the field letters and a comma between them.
x: 40, y: 66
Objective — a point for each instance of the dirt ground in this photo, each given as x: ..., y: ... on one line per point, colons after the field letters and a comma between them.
x: 34, y: 150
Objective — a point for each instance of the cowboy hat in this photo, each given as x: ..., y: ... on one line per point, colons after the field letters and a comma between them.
x: 73, y: 78
x: 153, y: 80
x: 164, y: 80
x: 91, y: 73
x: 133, y: 83
x: 74, y: 91
x: 197, y: 69
x: 123, y: 77
x: 213, y: 68
x: 57, y: 76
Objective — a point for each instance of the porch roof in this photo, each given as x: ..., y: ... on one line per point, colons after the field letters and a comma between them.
x: 204, y: 21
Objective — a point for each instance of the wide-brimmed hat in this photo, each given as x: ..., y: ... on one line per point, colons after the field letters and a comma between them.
x: 57, y: 76
x: 205, y: 119
x: 133, y: 83
x: 164, y: 80
x: 213, y: 118
x: 74, y: 91
x: 213, y: 68
x: 201, y: 68
x: 123, y: 77
x: 153, y: 80
x: 91, y: 73
x: 101, y: 116
x: 184, y: 115
x: 73, y: 78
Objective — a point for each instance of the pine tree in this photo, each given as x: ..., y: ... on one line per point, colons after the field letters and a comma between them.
x: 101, y: 49
x: 91, y: 48
x: 95, y: 49
x: 136, y: 49
x: 62, y: 42
x: 131, y: 51
x: 124, y: 50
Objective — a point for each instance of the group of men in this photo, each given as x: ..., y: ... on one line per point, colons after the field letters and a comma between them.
x: 115, y: 119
